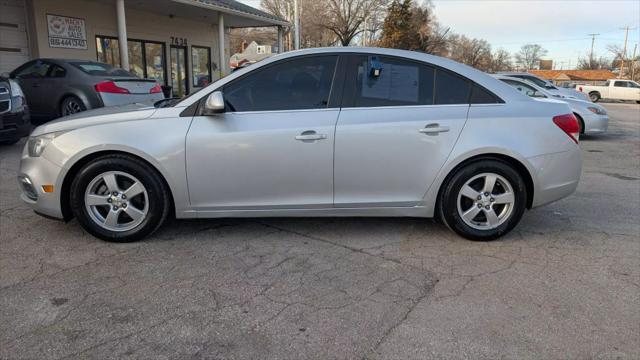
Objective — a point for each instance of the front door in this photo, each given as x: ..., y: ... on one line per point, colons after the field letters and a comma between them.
x: 32, y: 78
x: 273, y: 147
x: 179, y: 78
x: 395, y: 130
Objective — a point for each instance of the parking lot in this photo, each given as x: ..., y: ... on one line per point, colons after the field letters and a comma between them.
x: 564, y: 284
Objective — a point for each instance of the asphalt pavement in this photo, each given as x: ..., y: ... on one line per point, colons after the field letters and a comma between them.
x: 564, y: 284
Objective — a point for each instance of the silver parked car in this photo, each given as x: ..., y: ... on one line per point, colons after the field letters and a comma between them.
x: 548, y: 85
x: 593, y: 118
x: 316, y: 132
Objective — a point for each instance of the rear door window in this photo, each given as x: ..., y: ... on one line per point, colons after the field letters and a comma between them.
x: 397, y: 82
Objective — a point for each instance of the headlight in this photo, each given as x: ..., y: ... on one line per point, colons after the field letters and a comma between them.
x: 599, y: 111
x: 37, y: 144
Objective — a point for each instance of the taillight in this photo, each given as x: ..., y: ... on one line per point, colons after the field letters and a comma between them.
x: 156, y: 89
x: 580, y: 89
x: 110, y: 87
x: 569, y: 124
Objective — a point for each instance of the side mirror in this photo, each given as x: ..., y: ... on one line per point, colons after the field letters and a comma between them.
x: 538, y: 94
x: 214, y: 104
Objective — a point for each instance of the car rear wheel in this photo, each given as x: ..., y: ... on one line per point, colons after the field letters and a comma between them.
x: 71, y: 105
x: 594, y: 96
x: 119, y: 198
x: 483, y: 200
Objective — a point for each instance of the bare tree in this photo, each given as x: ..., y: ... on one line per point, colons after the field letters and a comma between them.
x: 595, y: 63
x: 473, y: 52
x: 529, y: 55
x: 312, y: 33
x: 345, y: 17
x: 500, y: 61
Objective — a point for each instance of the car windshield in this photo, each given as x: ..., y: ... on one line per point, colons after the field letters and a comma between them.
x: 100, y: 69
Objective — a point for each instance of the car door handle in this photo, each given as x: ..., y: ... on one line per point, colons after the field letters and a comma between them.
x: 310, y: 136
x: 434, y: 129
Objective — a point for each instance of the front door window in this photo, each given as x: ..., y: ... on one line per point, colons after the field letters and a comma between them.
x: 179, y: 78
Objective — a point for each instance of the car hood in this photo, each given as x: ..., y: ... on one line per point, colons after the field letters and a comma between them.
x: 98, y: 116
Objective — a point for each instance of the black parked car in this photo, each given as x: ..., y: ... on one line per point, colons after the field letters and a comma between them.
x: 59, y: 87
x: 14, y: 112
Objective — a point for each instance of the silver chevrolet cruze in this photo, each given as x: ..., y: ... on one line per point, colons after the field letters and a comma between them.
x: 317, y: 132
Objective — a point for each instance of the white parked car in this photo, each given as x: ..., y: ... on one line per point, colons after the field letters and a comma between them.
x: 316, y: 132
x: 614, y: 89
x: 593, y: 118
x: 547, y: 85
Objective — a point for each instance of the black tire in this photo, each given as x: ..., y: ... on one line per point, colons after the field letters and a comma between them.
x: 580, y: 123
x: 448, y: 201
x: 159, y: 199
x: 71, y: 105
x: 594, y: 97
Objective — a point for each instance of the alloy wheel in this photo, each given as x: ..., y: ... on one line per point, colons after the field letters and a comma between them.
x: 486, y: 201
x: 116, y: 201
x: 71, y: 107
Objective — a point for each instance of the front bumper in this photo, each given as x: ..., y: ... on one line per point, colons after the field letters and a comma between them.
x: 13, y: 126
x: 595, y: 124
x: 34, y: 173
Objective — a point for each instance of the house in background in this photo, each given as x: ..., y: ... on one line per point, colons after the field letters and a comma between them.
x: 251, y: 54
x: 562, y: 77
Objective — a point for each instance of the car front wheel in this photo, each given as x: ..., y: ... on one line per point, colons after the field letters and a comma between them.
x: 483, y: 200
x: 119, y: 198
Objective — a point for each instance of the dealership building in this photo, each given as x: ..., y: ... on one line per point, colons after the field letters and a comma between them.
x: 180, y: 43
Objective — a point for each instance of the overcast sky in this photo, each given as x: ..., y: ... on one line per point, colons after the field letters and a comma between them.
x: 560, y: 26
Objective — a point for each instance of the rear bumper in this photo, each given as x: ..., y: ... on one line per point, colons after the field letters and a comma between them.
x: 595, y: 124
x: 14, y: 125
x: 124, y: 99
x: 557, y: 175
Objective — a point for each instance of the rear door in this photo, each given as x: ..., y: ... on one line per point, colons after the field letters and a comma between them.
x: 395, y: 130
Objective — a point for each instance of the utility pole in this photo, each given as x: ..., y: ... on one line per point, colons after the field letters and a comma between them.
x: 624, y: 51
x: 633, y: 61
x: 296, y: 24
x: 593, y: 40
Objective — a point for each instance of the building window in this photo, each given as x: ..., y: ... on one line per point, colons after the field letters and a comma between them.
x: 201, y: 66
x: 154, y: 59
x: 108, y: 51
x: 146, y: 58
x: 136, y: 61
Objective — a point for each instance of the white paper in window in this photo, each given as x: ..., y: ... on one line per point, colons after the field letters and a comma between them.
x: 397, y: 82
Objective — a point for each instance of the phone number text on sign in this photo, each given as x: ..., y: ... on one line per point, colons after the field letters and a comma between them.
x: 66, y: 32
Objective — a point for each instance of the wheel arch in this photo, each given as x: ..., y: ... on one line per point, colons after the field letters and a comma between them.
x: 509, y: 160
x: 77, y: 94
x: 65, y: 199
x: 581, y: 122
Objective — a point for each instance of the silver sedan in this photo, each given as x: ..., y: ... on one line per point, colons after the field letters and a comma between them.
x: 317, y: 132
x: 593, y: 118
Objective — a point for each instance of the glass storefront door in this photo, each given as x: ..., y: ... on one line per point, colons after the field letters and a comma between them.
x: 179, y: 78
